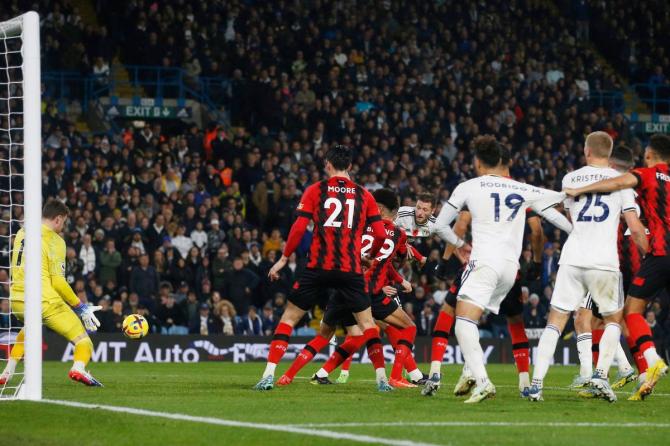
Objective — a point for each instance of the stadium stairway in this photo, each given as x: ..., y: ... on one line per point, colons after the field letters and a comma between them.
x: 632, y: 102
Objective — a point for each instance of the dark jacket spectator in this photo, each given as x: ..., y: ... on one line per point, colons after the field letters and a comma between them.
x: 240, y: 286
x: 144, y: 279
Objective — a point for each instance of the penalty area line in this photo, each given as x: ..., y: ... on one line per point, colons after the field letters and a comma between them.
x: 485, y: 424
x: 292, y: 429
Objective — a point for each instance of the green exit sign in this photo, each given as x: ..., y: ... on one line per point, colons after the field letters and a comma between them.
x: 657, y: 127
x: 148, y: 112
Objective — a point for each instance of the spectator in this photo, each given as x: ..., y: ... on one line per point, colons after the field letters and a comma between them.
x: 199, y: 237
x: 534, y: 313
x: 87, y: 256
x: 182, y: 242
x: 171, y: 317
x: 252, y: 324
x: 220, y: 267
x: 240, y: 286
x: 269, y: 320
x: 144, y: 279
x: 230, y: 322
x: 426, y: 320
x: 203, y: 323
x: 215, y: 237
x: 265, y: 197
x: 110, y: 261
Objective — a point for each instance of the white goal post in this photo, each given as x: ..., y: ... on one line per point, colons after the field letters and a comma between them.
x: 20, y: 140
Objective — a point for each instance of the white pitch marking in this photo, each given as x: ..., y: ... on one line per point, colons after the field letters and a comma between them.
x: 243, y: 424
x: 485, y: 424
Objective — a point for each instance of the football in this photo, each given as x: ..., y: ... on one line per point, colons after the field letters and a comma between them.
x: 135, y: 326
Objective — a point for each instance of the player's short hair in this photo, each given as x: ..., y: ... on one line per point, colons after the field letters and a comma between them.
x: 387, y: 198
x: 340, y: 157
x: 427, y: 197
x: 54, y: 208
x: 661, y: 145
x: 487, y: 150
x: 600, y: 144
x: 623, y: 156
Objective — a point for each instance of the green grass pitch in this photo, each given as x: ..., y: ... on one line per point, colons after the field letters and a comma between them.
x: 223, y: 390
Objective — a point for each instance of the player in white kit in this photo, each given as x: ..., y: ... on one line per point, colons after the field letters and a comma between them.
x: 498, y: 208
x: 590, y: 263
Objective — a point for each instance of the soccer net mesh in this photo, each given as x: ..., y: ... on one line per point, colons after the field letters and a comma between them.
x: 13, y: 85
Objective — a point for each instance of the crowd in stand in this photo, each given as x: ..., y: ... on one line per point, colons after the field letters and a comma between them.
x: 183, y: 226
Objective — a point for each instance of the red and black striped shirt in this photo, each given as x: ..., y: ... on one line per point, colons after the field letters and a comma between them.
x: 341, y: 211
x: 653, y: 188
x: 381, y: 272
x: 630, y: 257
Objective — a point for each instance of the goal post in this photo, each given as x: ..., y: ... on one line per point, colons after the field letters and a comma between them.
x: 21, y: 146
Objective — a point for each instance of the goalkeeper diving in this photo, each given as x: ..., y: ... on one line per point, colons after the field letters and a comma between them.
x: 59, y: 301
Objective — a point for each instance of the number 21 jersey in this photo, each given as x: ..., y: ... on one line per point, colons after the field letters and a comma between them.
x: 341, y: 211
x: 595, y: 219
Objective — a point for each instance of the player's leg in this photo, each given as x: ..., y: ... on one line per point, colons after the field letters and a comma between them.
x: 512, y: 308
x: 401, y: 327
x: 61, y: 319
x: 583, y: 327
x: 311, y: 349
x: 15, y: 356
x: 568, y: 294
x: 467, y: 333
x: 440, y: 341
x: 625, y: 371
x: 344, y: 370
x: 352, y: 343
x: 651, y: 278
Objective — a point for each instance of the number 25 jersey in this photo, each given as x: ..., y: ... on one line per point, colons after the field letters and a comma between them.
x: 341, y: 211
x: 595, y: 219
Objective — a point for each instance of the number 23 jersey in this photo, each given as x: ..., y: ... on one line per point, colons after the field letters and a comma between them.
x: 341, y: 211
x: 498, y: 208
x: 595, y: 218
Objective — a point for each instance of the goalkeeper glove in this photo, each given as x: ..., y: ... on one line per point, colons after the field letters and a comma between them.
x: 86, y: 313
x: 441, y: 270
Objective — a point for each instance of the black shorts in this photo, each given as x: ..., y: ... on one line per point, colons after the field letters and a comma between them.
x: 337, y: 312
x: 591, y: 305
x: 653, y: 276
x: 512, y: 304
x: 451, y: 299
x: 315, y: 284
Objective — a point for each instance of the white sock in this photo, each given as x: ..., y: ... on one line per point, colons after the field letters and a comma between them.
x: 622, y: 360
x: 545, y: 353
x: 651, y: 356
x: 78, y: 366
x: 381, y: 374
x: 321, y: 373
x: 584, y: 346
x: 467, y: 333
x: 524, y: 380
x: 415, y: 375
x: 10, y: 368
x: 466, y: 370
x: 608, y: 345
x: 642, y: 378
x: 269, y: 370
x: 435, y: 367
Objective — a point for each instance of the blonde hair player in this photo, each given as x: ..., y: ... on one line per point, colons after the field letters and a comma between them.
x: 59, y: 302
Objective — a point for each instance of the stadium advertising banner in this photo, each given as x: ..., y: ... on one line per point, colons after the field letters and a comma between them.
x: 194, y: 348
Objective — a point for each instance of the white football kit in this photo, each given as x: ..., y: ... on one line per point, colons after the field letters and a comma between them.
x: 589, y: 260
x: 406, y: 219
x: 498, y: 208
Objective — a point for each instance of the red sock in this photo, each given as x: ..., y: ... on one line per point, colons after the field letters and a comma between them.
x: 346, y: 365
x: 279, y: 342
x: 638, y: 356
x: 394, y: 336
x: 306, y: 354
x: 375, y: 348
x: 403, y: 349
x: 350, y: 346
x: 520, y: 346
x: 441, y: 336
x: 640, y: 333
x: 596, y: 335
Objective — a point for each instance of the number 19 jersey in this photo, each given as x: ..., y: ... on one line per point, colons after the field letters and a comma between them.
x: 595, y: 218
x: 498, y: 207
x: 341, y: 211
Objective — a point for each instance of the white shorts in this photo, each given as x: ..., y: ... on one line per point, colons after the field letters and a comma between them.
x: 574, y: 283
x: 487, y: 284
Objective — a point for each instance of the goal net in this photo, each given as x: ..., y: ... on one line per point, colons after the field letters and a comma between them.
x: 20, y: 201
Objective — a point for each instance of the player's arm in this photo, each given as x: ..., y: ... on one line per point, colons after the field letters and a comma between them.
x: 536, y: 237
x: 460, y: 229
x: 304, y: 215
x: 625, y: 181
x: 394, y: 277
x: 58, y: 282
x: 545, y: 208
x: 637, y: 230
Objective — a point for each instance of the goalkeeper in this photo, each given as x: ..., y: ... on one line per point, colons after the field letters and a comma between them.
x: 59, y: 302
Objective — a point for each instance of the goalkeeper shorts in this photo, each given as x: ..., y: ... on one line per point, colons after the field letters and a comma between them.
x: 58, y: 317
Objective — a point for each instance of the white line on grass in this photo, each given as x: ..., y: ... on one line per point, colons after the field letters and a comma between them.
x: 484, y: 424
x: 293, y: 429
